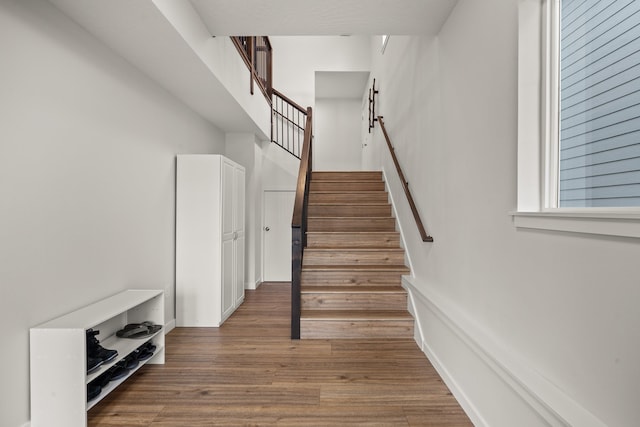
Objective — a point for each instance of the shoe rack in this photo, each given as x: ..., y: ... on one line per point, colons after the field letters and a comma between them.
x: 59, y: 361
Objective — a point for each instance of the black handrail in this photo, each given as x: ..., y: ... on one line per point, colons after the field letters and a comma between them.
x: 405, y: 185
x: 299, y: 224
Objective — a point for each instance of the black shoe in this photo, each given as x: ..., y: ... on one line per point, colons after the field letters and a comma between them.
x: 102, y: 380
x: 93, y: 390
x: 95, y: 350
x: 129, y: 362
x: 93, y: 363
x: 118, y: 371
x: 145, y: 351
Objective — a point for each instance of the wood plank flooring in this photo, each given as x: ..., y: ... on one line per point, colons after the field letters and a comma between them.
x: 250, y: 373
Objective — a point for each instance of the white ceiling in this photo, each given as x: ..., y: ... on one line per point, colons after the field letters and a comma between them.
x: 323, y: 17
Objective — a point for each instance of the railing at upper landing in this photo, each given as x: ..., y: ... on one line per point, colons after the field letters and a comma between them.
x: 257, y: 54
x: 288, y: 119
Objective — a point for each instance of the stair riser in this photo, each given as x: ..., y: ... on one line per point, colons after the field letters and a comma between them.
x: 335, y: 329
x: 353, y: 240
x: 350, y: 210
x: 340, y: 186
x: 351, y: 224
x: 350, y: 278
x: 354, y: 301
x: 345, y: 176
x: 350, y: 198
x: 353, y: 257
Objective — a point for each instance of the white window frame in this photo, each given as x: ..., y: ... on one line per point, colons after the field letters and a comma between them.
x: 538, y: 135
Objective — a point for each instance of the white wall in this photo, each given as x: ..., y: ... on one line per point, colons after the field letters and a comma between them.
x: 87, y: 155
x: 337, y: 143
x: 296, y: 60
x: 528, y: 328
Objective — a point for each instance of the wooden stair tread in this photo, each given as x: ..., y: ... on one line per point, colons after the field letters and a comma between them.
x: 363, y: 233
x: 346, y: 181
x: 348, y: 197
x: 349, y: 191
x: 354, y: 315
x: 369, y: 249
x: 351, y: 218
x: 396, y: 268
x: 361, y: 204
x: 355, y: 248
x: 326, y: 175
x: 352, y: 289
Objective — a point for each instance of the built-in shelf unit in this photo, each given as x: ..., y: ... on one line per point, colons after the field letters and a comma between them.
x: 59, y: 361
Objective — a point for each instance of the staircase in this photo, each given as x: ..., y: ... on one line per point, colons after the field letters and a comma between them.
x: 353, y: 261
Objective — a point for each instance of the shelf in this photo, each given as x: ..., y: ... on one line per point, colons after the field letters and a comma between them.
x: 124, y: 346
x: 58, y: 354
x: 113, y: 384
x: 101, y: 311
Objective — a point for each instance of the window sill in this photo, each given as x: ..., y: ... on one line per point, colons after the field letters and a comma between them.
x: 624, y: 224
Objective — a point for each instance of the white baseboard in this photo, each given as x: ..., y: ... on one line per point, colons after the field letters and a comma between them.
x: 27, y: 424
x: 478, y: 370
x: 252, y: 286
x: 170, y: 325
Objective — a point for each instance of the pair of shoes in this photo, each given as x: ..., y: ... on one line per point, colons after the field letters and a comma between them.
x: 138, y: 330
x: 96, y: 351
x: 115, y: 372
x: 129, y: 362
x: 94, y: 388
x: 145, y: 351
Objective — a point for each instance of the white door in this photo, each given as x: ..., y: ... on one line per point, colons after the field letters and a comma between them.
x: 239, y: 202
x: 278, y: 209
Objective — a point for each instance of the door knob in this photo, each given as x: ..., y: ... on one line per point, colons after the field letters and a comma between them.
x: 267, y: 229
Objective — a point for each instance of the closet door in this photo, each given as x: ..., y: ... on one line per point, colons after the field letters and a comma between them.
x: 228, y: 238
x: 239, y: 218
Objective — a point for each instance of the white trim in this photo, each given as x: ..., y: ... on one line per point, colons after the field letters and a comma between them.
x: 543, y: 397
x: 169, y: 326
x: 609, y: 223
x: 529, y: 105
x: 466, y: 404
x: 397, y: 218
x: 252, y: 286
x: 550, y: 115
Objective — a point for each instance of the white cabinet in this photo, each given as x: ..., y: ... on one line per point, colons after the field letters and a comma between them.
x: 210, y: 239
x: 59, y: 361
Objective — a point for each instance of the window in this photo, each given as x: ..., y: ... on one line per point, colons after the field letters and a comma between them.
x: 385, y: 40
x: 599, y: 104
x: 579, y: 116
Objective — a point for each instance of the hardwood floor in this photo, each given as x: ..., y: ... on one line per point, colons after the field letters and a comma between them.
x: 248, y: 372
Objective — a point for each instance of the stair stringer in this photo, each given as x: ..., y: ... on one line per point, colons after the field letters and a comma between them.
x: 394, y: 212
